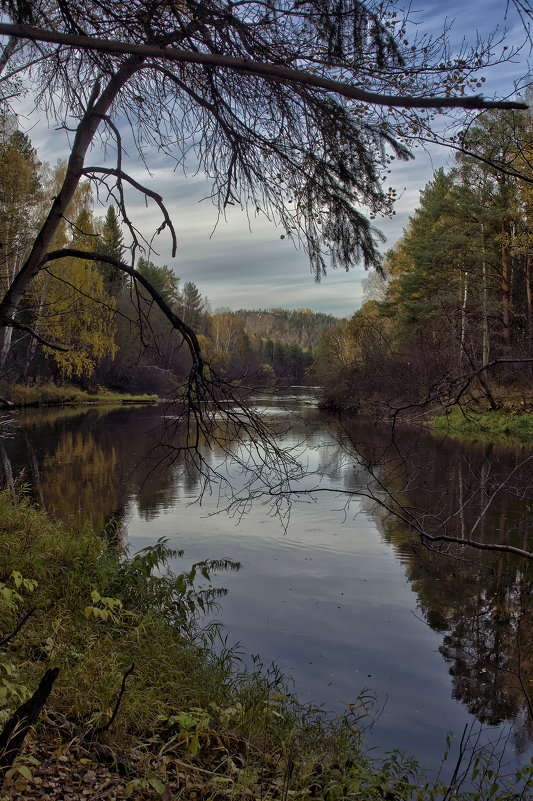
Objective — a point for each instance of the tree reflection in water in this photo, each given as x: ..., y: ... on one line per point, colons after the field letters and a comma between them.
x: 480, y: 601
x: 90, y: 464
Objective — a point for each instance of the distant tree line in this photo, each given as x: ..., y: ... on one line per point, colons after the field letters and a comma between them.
x: 455, y: 295
x: 301, y: 327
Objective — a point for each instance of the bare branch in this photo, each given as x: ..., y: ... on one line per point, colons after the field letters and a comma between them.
x: 18, y: 627
x: 109, y: 723
x: 251, y: 67
x: 121, y: 175
x: 35, y: 334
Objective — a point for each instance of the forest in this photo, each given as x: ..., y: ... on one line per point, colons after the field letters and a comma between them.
x: 449, y: 318
x: 447, y: 314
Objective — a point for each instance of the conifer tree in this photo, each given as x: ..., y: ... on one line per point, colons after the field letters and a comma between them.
x: 191, y: 305
x: 112, y: 244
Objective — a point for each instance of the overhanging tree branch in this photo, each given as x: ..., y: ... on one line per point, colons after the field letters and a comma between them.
x: 252, y: 67
x: 122, y: 176
x: 188, y: 334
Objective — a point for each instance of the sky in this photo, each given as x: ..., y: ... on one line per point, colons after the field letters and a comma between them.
x: 245, y: 264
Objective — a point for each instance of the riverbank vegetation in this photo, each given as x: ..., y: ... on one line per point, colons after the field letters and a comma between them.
x: 49, y: 394
x: 195, y: 719
x: 450, y: 320
x: 493, y: 426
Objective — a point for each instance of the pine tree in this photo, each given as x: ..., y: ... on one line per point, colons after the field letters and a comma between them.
x: 163, y: 279
x: 112, y: 244
x: 191, y: 305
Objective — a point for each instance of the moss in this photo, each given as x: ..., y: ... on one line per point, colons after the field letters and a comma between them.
x: 491, y: 426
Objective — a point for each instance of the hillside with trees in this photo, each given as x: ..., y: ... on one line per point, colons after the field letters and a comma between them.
x: 301, y: 327
x: 451, y: 317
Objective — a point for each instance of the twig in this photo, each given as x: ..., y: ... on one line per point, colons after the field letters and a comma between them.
x: 117, y: 703
x: 16, y: 630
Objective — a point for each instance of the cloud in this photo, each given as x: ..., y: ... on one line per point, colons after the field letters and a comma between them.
x: 244, y: 263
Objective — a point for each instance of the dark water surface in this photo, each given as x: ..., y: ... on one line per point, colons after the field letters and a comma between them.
x: 341, y: 600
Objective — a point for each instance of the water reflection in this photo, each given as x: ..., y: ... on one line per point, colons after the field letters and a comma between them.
x: 480, y: 601
x: 328, y: 599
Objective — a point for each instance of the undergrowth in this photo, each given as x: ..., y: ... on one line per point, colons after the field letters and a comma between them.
x: 195, y: 720
x: 48, y: 394
x: 495, y: 426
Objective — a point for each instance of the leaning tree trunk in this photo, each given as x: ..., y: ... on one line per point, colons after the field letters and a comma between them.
x: 97, y: 107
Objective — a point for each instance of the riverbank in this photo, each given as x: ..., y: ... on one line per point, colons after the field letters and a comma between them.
x: 192, y: 722
x: 26, y: 395
x: 511, y: 422
x: 489, y: 426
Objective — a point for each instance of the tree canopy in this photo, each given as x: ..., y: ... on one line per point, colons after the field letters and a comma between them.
x: 452, y: 318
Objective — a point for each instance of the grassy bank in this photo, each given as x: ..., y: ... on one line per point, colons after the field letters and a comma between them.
x: 20, y: 395
x: 193, y: 722
x: 491, y: 426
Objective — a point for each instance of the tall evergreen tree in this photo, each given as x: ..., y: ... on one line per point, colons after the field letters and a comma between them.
x: 19, y: 207
x: 163, y: 279
x: 191, y: 305
x: 112, y: 244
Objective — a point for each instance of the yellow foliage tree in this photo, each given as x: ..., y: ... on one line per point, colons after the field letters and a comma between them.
x: 77, y: 314
x: 71, y: 307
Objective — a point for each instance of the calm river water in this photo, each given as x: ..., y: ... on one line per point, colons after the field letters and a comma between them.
x: 341, y: 599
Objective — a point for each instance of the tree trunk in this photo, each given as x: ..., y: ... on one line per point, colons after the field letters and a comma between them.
x: 16, y: 728
x: 463, y: 317
x: 529, y: 300
x: 506, y: 284
x: 97, y: 108
x: 485, y: 348
x: 6, y: 334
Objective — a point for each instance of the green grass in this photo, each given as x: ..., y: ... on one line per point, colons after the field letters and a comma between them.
x: 495, y: 426
x: 192, y: 714
x: 20, y: 395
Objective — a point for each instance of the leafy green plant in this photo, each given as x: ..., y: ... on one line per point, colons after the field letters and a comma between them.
x: 10, y: 597
x: 145, y: 788
x: 146, y: 583
x: 186, y: 727
x: 13, y: 690
x: 105, y: 608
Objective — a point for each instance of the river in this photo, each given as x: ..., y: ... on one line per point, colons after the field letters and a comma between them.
x: 339, y: 597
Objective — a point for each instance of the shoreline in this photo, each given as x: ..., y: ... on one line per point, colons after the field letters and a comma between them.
x: 19, y: 396
x: 192, y: 721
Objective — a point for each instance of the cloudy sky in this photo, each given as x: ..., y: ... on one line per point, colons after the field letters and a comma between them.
x: 241, y: 266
